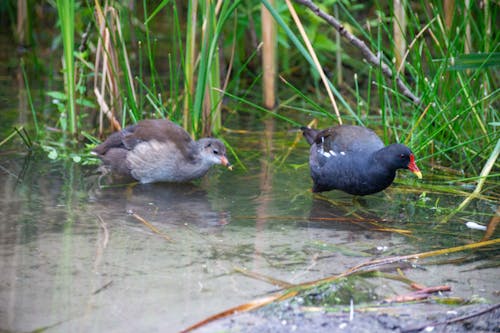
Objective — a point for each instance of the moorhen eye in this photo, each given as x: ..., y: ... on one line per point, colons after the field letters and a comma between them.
x: 157, y: 150
x: 353, y: 159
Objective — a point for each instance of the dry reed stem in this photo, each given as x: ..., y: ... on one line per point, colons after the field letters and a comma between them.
x: 417, y: 36
x: 319, y: 68
x: 492, y: 225
x: 255, y: 304
x: 385, y: 261
x: 107, y: 66
x: 102, y: 70
x: 399, y: 31
x: 449, y: 12
x: 361, y: 45
x: 151, y: 227
x: 280, y: 296
x: 105, y: 230
x: 418, y: 295
x: 22, y: 29
x: 104, y: 287
x: 265, y: 278
x: 105, y: 110
x: 269, y: 67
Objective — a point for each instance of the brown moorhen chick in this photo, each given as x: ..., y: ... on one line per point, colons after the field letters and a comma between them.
x: 353, y: 159
x: 157, y: 150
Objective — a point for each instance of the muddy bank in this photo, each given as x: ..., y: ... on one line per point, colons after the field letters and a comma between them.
x: 424, y: 317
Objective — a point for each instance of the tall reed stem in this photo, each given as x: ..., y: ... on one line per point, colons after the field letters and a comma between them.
x: 399, y: 31
x: 268, y: 57
x: 190, y: 60
x: 66, y: 11
x: 23, y: 33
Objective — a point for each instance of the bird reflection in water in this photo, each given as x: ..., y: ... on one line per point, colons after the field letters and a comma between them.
x: 176, y: 204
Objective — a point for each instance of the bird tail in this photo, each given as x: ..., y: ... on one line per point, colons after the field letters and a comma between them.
x: 309, y: 133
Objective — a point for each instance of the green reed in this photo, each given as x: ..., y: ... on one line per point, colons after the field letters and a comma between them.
x: 207, y: 97
x: 457, y: 89
x: 453, y: 69
x: 451, y: 64
x: 194, y: 74
x: 66, y: 11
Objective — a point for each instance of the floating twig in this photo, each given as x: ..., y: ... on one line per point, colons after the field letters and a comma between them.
x: 258, y: 303
x: 263, y: 277
x: 385, y: 261
x: 417, y: 295
x: 107, y: 285
x: 291, y: 292
x: 152, y: 227
x: 105, y: 230
x: 492, y: 225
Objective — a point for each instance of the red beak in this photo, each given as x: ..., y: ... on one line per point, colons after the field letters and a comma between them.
x: 412, y: 166
x: 225, y: 162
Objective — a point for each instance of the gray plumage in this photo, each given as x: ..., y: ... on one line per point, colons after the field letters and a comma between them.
x: 160, y: 151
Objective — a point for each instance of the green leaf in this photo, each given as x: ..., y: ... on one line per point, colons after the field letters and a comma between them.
x: 85, y: 102
x: 76, y: 158
x: 474, y: 61
x: 52, y: 154
x: 57, y: 95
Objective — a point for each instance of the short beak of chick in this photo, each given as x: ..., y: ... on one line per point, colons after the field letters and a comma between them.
x: 225, y: 162
x: 412, y: 166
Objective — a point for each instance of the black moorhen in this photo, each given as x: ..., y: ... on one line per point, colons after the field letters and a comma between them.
x: 157, y: 150
x: 353, y: 159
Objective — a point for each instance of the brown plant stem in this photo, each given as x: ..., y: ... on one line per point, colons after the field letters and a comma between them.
x: 319, y: 68
x: 291, y: 292
x: 417, y: 295
x: 269, y: 65
x: 361, y: 45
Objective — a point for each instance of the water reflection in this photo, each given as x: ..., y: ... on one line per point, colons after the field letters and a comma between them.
x: 344, y: 214
x: 350, y: 225
x: 76, y: 258
x: 175, y: 204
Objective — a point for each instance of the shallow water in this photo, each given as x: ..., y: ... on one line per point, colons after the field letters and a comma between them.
x: 76, y: 257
